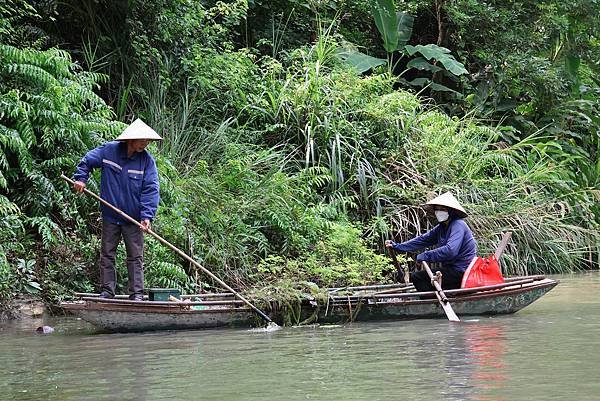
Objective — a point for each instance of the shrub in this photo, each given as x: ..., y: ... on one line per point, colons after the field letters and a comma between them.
x: 339, y: 259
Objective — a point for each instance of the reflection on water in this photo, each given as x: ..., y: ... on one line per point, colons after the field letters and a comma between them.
x: 545, y: 352
x: 487, y: 348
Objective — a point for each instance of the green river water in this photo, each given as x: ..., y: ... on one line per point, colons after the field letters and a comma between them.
x: 548, y: 351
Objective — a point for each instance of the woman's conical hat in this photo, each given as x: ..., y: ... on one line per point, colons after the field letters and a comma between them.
x: 448, y: 200
x: 139, y: 130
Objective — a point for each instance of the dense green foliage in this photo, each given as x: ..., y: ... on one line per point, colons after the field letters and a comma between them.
x: 295, y: 143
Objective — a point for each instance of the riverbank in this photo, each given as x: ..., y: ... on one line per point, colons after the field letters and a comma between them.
x: 23, y: 308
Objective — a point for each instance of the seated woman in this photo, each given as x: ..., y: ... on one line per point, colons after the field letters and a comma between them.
x: 455, y: 245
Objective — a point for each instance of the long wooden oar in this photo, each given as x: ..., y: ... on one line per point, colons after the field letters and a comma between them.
x: 401, y: 275
x: 173, y: 248
x: 439, y: 293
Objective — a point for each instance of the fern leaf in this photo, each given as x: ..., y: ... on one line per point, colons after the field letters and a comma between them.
x: 34, y: 74
x: 7, y: 207
x: 49, y: 231
x: 25, y: 129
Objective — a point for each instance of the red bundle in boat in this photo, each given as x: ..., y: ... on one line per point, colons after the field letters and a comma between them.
x: 482, y: 272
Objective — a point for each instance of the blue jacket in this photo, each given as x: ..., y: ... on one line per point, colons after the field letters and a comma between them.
x: 129, y: 183
x: 456, y: 246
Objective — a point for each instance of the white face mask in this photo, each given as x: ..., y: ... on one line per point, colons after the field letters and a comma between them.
x: 441, y: 215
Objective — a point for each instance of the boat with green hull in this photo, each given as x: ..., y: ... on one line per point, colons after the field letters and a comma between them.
x: 368, y: 303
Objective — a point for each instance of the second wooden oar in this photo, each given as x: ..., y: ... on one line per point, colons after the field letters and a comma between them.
x: 401, y: 275
x: 439, y: 293
x: 173, y: 248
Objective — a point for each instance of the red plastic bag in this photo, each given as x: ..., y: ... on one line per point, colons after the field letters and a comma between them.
x: 481, y: 272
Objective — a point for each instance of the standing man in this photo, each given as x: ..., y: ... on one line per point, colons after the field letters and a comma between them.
x: 455, y: 249
x: 129, y: 181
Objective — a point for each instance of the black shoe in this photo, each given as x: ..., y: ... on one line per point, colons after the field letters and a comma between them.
x: 136, y: 297
x: 105, y: 295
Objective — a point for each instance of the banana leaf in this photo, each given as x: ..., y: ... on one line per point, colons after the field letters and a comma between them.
x: 440, y: 54
x: 386, y: 21
x: 360, y: 62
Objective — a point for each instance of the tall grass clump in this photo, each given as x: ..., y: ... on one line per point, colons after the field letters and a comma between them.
x: 332, y: 118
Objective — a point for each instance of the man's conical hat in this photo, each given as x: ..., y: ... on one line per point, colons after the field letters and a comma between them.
x: 448, y: 200
x: 138, y: 130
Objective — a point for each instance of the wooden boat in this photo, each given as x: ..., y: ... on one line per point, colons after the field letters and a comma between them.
x: 369, y: 303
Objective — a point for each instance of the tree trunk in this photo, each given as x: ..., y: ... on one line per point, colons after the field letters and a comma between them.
x: 439, y: 10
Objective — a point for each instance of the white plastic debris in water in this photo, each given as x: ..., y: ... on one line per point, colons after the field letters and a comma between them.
x: 272, y: 326
x: 44, y: 330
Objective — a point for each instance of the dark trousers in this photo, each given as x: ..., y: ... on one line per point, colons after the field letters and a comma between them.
x: 134, y: 244
x: 451, y: 279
